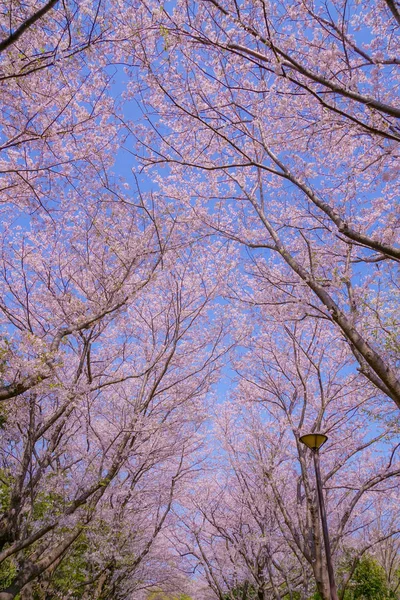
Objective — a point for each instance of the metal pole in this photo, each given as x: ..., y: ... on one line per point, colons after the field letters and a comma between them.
x: 332, y: 584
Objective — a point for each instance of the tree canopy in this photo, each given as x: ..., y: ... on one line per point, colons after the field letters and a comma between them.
x: 199, y: 252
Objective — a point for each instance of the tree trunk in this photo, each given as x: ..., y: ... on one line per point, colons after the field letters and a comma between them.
x: 27, y: 592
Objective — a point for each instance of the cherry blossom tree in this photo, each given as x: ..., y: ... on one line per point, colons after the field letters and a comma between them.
x: 278, y: 122
x: 60, y: 128
x: 108, y: 345
x: 108, y: 351
x: 256, y: 524
x: 270, y: 131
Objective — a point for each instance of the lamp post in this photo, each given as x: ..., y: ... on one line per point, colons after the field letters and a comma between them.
x: 314, y: 441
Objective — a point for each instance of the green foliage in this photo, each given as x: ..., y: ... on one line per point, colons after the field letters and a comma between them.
x: 165, y: 35
x: 6, y: 482
x: 159, y: 595
x: 72, y: 571
x: 47, y: 504
x: 237, y: 593
x: 66, y: 580
x: 8, y: 572
x: 368, y: 582
x: 8, y: 568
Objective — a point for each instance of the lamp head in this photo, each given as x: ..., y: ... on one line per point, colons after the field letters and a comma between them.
x: 314, y: 441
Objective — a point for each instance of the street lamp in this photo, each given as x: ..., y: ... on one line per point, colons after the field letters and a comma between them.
x: 314, y: 441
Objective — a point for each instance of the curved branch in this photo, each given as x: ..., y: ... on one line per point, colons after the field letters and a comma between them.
x: 13, y: 37
x: 393, y: 9
x: 343, y: 227
x: 386, y: 374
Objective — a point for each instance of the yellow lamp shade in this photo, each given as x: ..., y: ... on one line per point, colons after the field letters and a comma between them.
x: 314, y: 441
